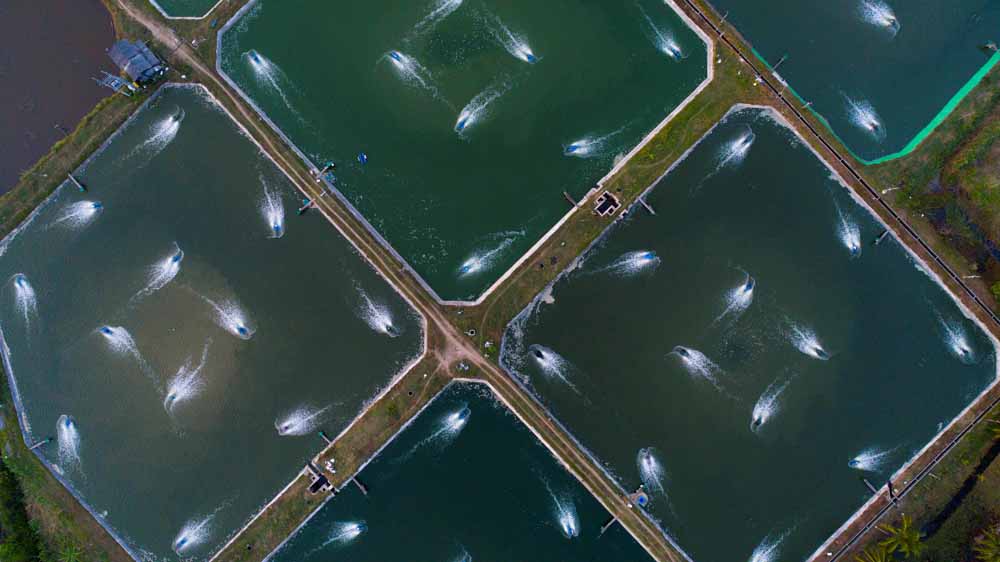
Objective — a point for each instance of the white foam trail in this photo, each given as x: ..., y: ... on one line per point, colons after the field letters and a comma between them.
x: 698, y: 364
x: 768, y: 549
x: 231, y: 318
x: 464, y: 556
x: 68, y: 439
x: 413, y: 73
x: 162, y: 133
x: 300, y: 421
x: 632, y: 263
x: 193, y: 534
x: 161, y: 273
x: 484, y: 259
x: 871, y: 459
x: 79, y: 214
x: 849, y: 234
x: 651, y: 470
x: 767, y: 405
x: 591, y: 145
x: 376, y: 315
x: 565, y: 512
x: 478, y: 108
x: 24, y: 298
x: 342, y: 534
x: 453, y: 423
x: 957, y: 340
x: 663, y: 40
x: 268, y: 74
x: 448, y: 429
x: 735, y: 151
x: 738, y: 299
x: 273, y: 210
x: 120, y: 342
x: 441, y: 10
x: 805, y: 340
x: 880, y: 14
x: 346, y: 532
x: 551, y: 363
x: 513, y: 347
x: 514, y: 44
x: 187, y: 382
x: 863, y: 115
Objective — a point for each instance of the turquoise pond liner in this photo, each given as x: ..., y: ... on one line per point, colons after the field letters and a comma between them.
x: 838, y: 56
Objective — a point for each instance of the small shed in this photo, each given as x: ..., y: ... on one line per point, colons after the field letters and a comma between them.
x: 320, y: 483
x: 137, y: 61
x: 606, y: 204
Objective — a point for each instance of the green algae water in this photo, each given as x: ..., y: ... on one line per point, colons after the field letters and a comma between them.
x: 748, y: 353
x: 457, y: 126
x: 878, y: 71
x: 185, y: 8
x: 183, y: 335
x: 466, y: 481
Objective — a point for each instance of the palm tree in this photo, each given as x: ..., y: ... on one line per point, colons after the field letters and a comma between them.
x: 987, y: 547
x: 874, y: 554
x: 70, y: 553
x: 903, y: 539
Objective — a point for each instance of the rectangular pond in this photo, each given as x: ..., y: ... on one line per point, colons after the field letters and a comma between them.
x: 465, y: 481
x: 748, y: 353
x: 878, y: 71
x: 456, y: 126
x: 179, y: 339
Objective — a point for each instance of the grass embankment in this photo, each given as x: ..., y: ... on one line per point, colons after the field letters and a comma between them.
x: 949, y: 184
x: 957, y: 530
x: 20, y: 541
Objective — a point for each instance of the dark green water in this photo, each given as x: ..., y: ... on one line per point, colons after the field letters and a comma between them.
x: 450, y: 491
x: 462, y: 206
x: 890, y: 373
x: 839, y: 53
x: 208, y: 459
x: 186, y: 8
